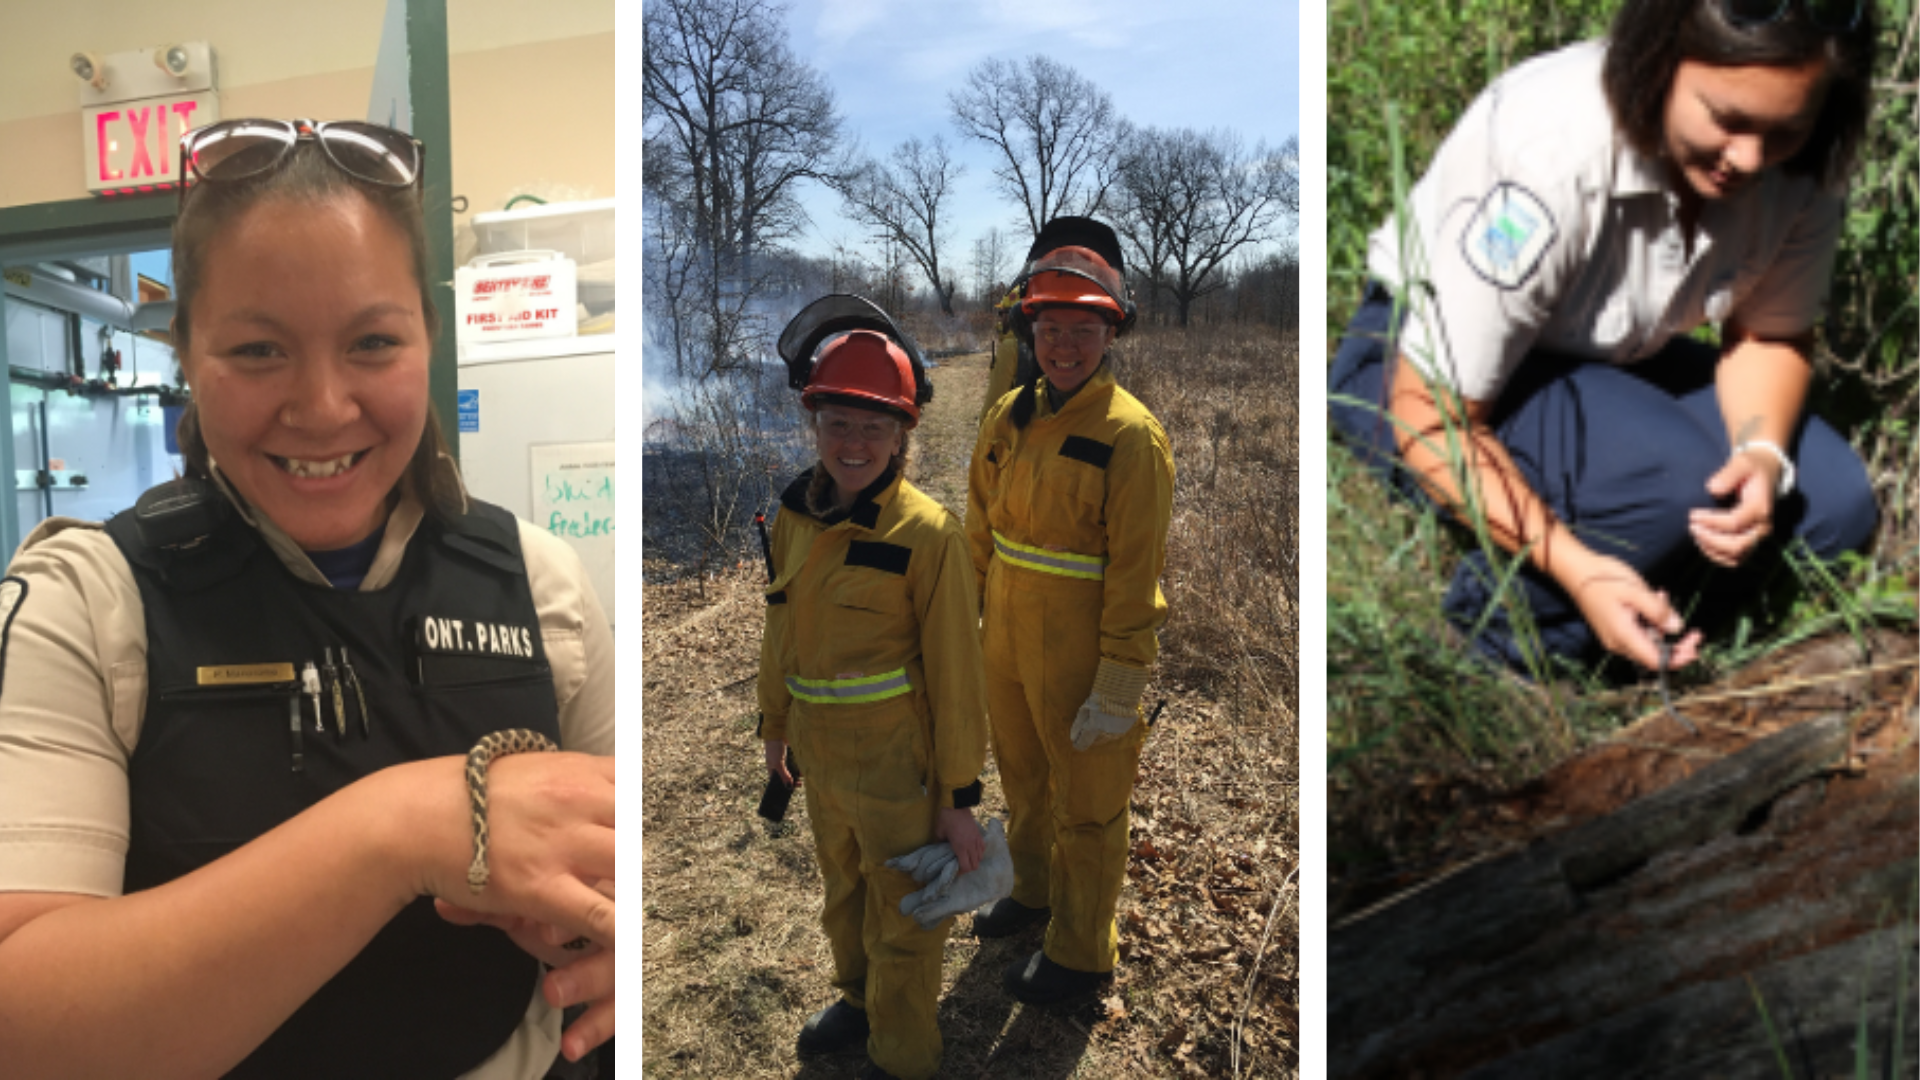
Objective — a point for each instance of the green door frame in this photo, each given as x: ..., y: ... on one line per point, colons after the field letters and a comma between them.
x: 101, y: 225
x: 431, y: 102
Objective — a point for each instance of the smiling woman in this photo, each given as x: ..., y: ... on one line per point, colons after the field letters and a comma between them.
x: 1069, y: 498
x: 870, y: 669
x: 249, y: 703
x: 310, y: 383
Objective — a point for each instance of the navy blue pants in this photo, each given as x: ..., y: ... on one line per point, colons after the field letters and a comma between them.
x: 1621, y: 455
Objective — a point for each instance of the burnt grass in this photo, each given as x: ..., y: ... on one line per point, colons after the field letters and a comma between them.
x: 733, y: 956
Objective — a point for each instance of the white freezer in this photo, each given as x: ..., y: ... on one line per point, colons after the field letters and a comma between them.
x: 543, y: 448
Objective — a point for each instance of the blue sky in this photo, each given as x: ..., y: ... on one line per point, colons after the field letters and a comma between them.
x: 1203, y: 64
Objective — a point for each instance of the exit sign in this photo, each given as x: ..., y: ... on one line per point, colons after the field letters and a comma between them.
x: 134, y: 146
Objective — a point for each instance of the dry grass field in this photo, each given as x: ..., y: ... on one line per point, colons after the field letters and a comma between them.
x: 734, y: 959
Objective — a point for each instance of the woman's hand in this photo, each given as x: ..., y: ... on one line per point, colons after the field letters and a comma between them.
x: 1728, y: 536
x: 963, y: 834
x: 544, y: 942
x: 550, y: 823
x: 587, y: 981
x: 1626, y: 615
x: 777, y: 761
x: 579, y: 976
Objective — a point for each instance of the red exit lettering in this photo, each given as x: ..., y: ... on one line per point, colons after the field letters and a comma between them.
x: 151, y: 134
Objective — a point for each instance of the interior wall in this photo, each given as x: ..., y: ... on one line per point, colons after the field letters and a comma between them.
x: 531, y: 84
x: 533, y: 117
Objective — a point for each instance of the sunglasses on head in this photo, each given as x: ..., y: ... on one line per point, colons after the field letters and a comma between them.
x: 1837, y: 16
x: 238, y: 149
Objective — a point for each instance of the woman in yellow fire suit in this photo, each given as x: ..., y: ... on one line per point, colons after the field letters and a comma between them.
x: 871, y: 667
x: 1069, y: 497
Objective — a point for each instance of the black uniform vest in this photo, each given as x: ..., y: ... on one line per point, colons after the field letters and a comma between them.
x: 447, y: 653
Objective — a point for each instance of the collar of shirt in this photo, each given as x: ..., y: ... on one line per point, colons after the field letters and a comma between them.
x: 402, y: 521
x: 1098, y: 385
x: 347, y: 567
x: 1634, y: 173
x: 866, y: 508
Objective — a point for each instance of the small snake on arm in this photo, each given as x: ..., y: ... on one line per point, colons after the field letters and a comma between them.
x: 499, y: 744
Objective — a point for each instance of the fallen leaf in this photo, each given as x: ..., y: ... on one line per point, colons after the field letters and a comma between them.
x: 1175, y: 1035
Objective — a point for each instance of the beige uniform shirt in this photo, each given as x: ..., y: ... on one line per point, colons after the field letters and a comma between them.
x: 1538, y: 226
x: 75, y: 691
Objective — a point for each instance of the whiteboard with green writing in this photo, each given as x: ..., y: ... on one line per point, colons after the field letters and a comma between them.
x: 573, y: 491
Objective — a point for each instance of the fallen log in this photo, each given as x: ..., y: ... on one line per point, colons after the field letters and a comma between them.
x: 1814, y: 1003
x: 1645, y: 923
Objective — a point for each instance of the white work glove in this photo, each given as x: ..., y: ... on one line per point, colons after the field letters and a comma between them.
x: 1113, y: 707
x: 934, y: 863
x: 948, y: 892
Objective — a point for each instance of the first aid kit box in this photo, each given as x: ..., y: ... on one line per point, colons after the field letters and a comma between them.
x: 516, y: 295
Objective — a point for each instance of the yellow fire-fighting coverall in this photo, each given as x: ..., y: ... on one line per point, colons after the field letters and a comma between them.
x: 1006, y: 353
x: 870, y: 667
x: 1067, y: 523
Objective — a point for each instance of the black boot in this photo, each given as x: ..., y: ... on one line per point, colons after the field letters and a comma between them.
x: 1039, y: 981
x: 1006, y: 917
x: 836, y: 1027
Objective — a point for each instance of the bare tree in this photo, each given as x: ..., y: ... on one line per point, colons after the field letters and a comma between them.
x: 1058, y: 133
x: 990, y: 254
x: 734, y: 124
x: 1190, y: 200
x: 902, y: 204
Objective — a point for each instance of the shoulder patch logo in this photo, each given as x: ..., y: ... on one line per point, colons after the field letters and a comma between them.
x: 1506, y: 236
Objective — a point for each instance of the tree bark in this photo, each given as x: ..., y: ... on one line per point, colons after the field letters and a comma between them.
x: 1622, y: 947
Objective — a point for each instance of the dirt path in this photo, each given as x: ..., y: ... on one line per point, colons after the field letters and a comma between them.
x: 734, y: 960
x: 943, y: 443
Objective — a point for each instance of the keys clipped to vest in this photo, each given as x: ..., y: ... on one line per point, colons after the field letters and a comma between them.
x: 323, y: 683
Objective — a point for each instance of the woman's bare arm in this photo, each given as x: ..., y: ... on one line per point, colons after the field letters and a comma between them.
x: 1611, y: 595
x: 185, y: 979
x: 1762, y: 386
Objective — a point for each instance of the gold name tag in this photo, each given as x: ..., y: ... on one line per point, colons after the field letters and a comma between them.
x: 242, y: 674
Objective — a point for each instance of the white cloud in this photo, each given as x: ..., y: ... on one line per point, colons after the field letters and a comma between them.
x: 839, y: 21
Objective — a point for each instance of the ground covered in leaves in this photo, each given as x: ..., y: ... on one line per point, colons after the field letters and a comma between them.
x: 734, y: 960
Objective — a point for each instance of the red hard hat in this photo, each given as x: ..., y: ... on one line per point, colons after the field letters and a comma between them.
x: 1046, y: 284
x: 867, y: 370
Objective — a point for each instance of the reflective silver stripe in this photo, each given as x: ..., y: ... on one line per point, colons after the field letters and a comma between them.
x: 1063, y: 563
x: 849, y: 691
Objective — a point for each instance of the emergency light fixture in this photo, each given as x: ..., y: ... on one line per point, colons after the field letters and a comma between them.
x: 89, y: 69
x: 173, y: 59
x: 151, y: 71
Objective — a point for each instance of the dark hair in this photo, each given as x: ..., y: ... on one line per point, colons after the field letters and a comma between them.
x: 1650, y: 38
x: 1024, y: 405
x: 306, y: 176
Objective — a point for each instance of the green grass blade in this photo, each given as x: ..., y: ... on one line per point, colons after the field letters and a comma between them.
x: 1773, y: 1035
